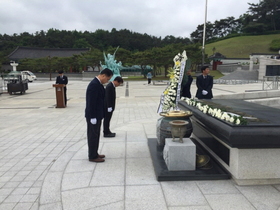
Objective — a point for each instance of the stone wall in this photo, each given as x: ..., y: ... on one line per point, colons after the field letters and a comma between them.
x: 264, y: 61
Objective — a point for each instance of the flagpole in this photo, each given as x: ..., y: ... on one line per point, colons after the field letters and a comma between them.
x: 204, y: 31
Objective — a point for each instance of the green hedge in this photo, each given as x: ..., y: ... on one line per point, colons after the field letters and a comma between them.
x: 275, y: 45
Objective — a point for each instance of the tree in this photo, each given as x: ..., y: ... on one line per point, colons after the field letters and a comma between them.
x: 145, y: 50
x: 225, y: 27
x: 143, y: 59
x: 92, y: 58
x: 263, y: 16
x: 81, y: 43
x: 197, y: 35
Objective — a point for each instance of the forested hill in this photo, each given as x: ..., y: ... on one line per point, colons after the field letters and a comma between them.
x: 100, y: 39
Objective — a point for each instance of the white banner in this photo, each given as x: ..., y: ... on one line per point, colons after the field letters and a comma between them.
x: 160, y: 103
x: 182, y: 69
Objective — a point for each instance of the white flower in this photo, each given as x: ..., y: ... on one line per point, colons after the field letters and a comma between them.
x: 227, y: 118
x: 218, y: 113
x: 214, y: 112
x: 205, y: 110
x: 237, y: 121
x: 223, y: 116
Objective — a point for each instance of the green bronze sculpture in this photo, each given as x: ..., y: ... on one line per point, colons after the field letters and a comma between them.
x: 112, y: 64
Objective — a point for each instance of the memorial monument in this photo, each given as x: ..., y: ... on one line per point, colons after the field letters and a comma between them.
x: 179, y: 159
x: 112, y: 64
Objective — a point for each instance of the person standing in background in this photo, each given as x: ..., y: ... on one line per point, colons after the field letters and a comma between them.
x: 95, y: 112
x: 204, y: 83
x: 149, y: 77
x: 62, y: 79
x: 110, y: 101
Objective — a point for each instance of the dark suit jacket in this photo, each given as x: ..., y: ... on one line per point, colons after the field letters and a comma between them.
x: 63, y: 80
x: 204, y: 84
x: 186, y: 88
x: 95, y: 95
x: 110, y: 96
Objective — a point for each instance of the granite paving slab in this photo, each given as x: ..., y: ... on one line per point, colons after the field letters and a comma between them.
x: 43, y: 156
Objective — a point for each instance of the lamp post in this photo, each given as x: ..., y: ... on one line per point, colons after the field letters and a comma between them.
x: 49, y: 58
x: 204, y: 31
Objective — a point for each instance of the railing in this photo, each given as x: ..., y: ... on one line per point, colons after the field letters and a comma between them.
x: 234, y: 82
x: 270, y: 82
x: 2, y: 85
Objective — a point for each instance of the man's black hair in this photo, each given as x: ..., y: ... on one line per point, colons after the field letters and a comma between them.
x: 203, y: 68
x: 107, y: 72
x: 118, y: 79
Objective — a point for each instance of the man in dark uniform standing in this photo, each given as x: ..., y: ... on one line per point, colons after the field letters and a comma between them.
x: 62, y: 79
x: 204, y: 83
x: 186, y: 90
x: 95, y: 112
x: 110, y: 101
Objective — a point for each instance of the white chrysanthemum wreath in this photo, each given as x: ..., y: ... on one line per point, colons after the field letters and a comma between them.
x: 215, y: 112
x: 170, y: 94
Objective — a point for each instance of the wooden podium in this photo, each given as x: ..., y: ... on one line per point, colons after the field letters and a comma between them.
x: 60, y: 100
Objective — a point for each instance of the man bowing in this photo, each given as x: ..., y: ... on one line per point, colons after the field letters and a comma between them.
x: 110, y: 101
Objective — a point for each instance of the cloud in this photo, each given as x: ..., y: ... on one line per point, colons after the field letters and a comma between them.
x: 156, y: 18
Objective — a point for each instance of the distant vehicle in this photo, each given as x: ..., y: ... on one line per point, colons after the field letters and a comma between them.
x: 25, y: 75
x: 29, y: 76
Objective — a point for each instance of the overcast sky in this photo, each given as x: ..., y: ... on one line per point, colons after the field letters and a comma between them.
x: 154, y: 17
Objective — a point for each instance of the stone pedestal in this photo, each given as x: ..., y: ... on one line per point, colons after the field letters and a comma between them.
x: 179, y: 156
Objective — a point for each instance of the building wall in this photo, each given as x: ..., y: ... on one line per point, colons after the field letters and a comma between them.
x: 264, y: 61
x: 235, y: 61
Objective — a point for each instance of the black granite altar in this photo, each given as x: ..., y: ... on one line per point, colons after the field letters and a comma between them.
x: 261, y: 132
x: 217, y: 172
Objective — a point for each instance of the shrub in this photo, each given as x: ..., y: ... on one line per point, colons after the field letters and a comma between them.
x: 275, y: 45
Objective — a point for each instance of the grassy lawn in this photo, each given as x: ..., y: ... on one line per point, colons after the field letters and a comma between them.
x: 216, y: 74
x: 243, y: 46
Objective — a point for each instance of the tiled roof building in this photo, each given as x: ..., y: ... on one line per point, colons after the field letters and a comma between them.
x: 34, y: 52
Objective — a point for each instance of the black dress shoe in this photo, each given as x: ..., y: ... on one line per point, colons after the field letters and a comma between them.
x: 109, y: 134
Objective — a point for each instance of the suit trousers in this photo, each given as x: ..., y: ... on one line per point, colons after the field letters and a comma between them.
x: 65, y: 97
x: 106, y: 122
x: 93, y: 135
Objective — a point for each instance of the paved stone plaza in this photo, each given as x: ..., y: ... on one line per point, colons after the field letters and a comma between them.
x: 44, y: 164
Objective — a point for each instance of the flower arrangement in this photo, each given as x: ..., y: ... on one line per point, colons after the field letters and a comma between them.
x: 215, y: 112
x: 170, y: 94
